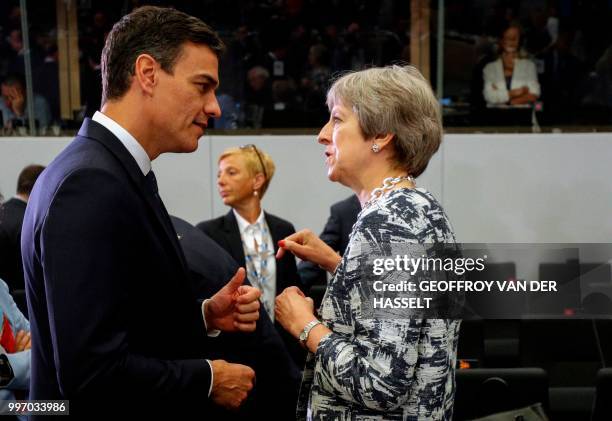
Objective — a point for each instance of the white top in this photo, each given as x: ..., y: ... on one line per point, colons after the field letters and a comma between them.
x: 258, y: 255
x: 131, y: 144
x: 495, y: 89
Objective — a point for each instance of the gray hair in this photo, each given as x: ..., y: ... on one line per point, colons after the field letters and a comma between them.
x: 398, y: 100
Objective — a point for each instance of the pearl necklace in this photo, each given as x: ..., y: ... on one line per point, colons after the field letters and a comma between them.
x: 388, y: 184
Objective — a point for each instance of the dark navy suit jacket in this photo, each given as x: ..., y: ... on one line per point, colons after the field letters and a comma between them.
x: 114, y: 319
x: 342, y: 217
x: 11, y: 218
x: 277, y: 376
x: 224, y: 231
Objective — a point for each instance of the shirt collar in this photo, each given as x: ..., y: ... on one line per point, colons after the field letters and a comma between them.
x: 131, y: 144
x: 243, y: 224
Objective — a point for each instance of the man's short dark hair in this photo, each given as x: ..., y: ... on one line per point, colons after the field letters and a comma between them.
x: 159, y: 32
x: 27, y: 178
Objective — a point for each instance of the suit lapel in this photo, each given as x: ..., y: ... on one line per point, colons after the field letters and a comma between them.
x: 280, y: 265
x: 95, y: 131
x: 164, y: 218
x: 232, y: 232
x: 273, y: 231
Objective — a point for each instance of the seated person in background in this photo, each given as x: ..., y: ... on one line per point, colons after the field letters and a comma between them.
x: 11, y: 219
x: 15, y: 349
x: 335, y: 234
x: 13, y: 105
x: 249, y: 234
x: 510, y: 79
x: 278, y: 377
x: 258, y: 97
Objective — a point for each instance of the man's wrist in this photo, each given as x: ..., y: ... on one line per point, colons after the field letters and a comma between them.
x: 206, y: 313
x: 212, y: 377
x: 211, y: 329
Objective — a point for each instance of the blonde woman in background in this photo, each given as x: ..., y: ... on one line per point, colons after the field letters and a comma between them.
x: 249, y: 234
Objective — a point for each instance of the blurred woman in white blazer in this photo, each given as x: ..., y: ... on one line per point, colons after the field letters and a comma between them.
x: 511, y: 79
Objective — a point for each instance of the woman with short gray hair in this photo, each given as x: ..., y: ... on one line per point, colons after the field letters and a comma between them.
x: 384, y: 127
x: 397, y: 100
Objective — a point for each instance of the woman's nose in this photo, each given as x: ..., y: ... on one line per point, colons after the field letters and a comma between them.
x: 324, y: 136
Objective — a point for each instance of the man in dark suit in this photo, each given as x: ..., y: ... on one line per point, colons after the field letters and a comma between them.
x: 115, y: 323
x: 278, y: 377
x: 336, y: 233
x: 224, y: 231
x: 11, y: 219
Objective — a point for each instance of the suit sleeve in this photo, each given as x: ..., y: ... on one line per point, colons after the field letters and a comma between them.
x: 85, y: 250
x: 204, y: 226
x: 331, y: 234
x: 310, y: 273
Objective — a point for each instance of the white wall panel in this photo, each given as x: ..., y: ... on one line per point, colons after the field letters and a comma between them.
x: 496, y: 188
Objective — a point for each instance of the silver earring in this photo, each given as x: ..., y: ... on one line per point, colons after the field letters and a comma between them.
x: 375, y: 148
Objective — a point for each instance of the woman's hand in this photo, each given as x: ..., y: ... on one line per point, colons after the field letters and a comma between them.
x: 308, y: 246
x: 293, y: 310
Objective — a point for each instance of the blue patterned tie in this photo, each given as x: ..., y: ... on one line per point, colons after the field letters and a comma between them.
x: 261, y: 274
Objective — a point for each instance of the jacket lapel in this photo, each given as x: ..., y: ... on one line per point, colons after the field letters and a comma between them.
x: 232, y: 232
x: 95, y: 131
x: 280, y: 264
x: 273, y: 231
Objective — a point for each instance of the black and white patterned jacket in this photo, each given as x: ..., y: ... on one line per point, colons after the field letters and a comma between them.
x: 382, y: 369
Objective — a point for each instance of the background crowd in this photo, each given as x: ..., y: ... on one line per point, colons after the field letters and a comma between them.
x: 282, y: 53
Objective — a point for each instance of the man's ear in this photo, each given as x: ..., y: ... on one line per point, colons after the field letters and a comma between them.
x: 383, y: 140
x: 146, y: 73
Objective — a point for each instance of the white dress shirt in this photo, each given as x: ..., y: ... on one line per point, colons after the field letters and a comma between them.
x: 131, y: 144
